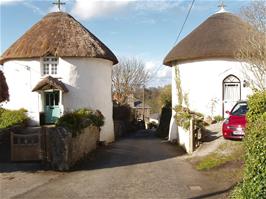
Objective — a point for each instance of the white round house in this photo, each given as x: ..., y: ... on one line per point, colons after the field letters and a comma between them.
x: 205, y: 61
x: 59, y: 66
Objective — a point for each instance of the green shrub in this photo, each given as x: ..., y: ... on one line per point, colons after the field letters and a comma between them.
x: 80, y: 119
x: 184, y: 115
x: 218, y: 118
x: 10, y: 118
x: 256, y: 105
x: 254, y: 182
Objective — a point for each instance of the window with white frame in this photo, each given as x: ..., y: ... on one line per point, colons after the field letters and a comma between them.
x: 49, y: 65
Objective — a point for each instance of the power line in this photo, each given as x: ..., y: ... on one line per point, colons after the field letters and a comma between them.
x: 184, y: 21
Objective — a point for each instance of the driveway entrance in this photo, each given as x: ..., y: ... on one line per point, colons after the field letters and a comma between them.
x: 140, y: 166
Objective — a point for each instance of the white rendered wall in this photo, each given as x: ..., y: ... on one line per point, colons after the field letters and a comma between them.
x: 203, y: 81
x: 88, y: 81
x: 21, y: 77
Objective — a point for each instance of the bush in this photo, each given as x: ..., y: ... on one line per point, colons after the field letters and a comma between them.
x: 256, y: 106
x: 254, y: 182
x: 218, y: 118
x: 184, y: 115
x: 10, y: 118
x: 80, y: 119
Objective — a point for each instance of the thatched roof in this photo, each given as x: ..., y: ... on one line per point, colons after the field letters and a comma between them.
x: 50, y: 83
x: 4, y: 96
x: 58, y: 34
x: 220, y: 36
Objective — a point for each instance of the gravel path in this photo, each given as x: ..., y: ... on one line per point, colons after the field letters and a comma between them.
x: 140, y: 166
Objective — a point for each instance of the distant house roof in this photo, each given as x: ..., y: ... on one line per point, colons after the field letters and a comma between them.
x: 140, y: 105
x: 58, y: 34
x: 50, y: 83
x: 3, y: 88
x: 220, y: 36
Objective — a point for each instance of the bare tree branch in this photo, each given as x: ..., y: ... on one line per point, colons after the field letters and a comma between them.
x: 128, y: 75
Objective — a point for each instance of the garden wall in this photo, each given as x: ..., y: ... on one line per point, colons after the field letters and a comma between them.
x: 64, y: 151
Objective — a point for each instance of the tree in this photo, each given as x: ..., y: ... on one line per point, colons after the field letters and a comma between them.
x: 4, y: 96
x: 166, y: 96
x: 128, y: 75
x: 253, y: 51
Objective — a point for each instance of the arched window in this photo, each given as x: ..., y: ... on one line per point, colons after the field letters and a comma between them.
x: 231, y: 92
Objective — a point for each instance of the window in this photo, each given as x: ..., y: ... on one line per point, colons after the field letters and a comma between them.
x: 50, y: 65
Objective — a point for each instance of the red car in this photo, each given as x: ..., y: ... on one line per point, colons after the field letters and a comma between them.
x: 234, y: 125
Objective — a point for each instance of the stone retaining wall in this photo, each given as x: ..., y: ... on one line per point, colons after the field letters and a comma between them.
x: 65, y: 151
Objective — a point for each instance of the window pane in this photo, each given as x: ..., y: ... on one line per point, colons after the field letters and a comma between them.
x: 46, y: 99
x: 51, y: 99
x: 56, y: 96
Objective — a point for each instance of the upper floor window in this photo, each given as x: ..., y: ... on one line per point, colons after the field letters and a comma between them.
x: 49, y: 65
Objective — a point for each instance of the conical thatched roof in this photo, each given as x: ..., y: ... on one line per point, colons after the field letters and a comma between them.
x: 220, y: 36
x: 4, y: 96
x: 58, y: 34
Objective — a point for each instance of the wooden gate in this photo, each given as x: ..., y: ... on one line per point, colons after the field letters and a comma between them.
x: 26, y: 147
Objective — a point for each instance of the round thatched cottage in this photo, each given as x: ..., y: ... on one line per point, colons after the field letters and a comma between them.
x: 58, y: 66
x: 210, y: 76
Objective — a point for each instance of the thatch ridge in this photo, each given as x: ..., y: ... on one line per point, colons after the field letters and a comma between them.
x: 50, y: 83
x: 220, y: 36
x: 58, y: 34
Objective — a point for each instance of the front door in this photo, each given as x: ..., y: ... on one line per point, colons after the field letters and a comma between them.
x: 51, y: 107
x: 231, y: 92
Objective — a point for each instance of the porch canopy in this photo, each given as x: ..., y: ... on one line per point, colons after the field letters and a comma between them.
x: 50, y: 83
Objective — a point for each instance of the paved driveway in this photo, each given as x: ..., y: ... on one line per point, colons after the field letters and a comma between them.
x: 140, y: 166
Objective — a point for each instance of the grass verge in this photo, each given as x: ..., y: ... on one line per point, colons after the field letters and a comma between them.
x: 227, y: 152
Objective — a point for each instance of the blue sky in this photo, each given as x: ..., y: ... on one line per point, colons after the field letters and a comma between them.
x: 143, y: 29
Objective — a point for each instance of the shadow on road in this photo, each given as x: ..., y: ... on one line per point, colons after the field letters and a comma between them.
x: 216, y: 193
x: 141, y: 147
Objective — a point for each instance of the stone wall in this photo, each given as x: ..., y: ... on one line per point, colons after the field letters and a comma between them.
x: 65, y: 151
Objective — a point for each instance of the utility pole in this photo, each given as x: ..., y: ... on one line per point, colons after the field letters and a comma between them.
x: 143, y: 102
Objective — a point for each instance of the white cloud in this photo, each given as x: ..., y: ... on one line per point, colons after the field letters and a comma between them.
x: 85, y: 9
x: 160, y: 5
x: 150, y: 65
x: 160, y: 74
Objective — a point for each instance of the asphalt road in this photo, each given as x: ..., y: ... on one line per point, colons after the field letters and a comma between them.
x: 140, y: 166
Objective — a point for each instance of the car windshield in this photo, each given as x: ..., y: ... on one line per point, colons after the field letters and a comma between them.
x: 240, y: 109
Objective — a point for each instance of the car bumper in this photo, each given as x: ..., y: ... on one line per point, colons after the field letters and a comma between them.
x: 229, y: 134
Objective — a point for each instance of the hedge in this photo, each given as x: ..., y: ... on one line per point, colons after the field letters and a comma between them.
x: 10, y: 118
x: 80, y: 119
x: 254, y: 182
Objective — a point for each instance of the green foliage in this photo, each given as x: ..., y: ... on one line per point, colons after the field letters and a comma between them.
x: 178, y: 86
x: 219, y: 157
x: 163, y: 128
x: 256, y: 105
x: 237, y: 192
x: 10, y: 118
x: 184, y: 115
x: 80, y: 119
x: 166, y: 96
x: 218, y: 118
x: 254, y: 182
x: 4, y: 95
